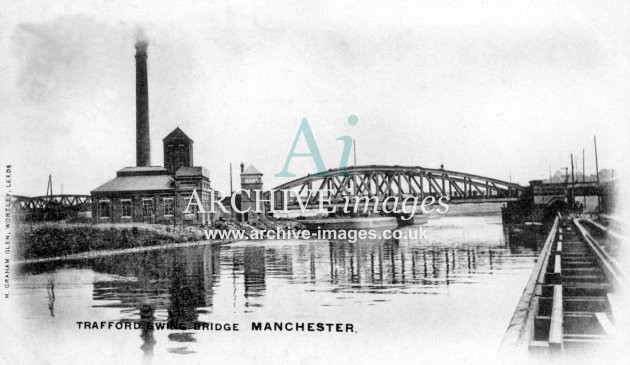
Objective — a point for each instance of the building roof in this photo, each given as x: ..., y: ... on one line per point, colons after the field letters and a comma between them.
x: 137, y: 183
x: 177, y: 134
x: 142, y: 171
x: 192, y: 171
x: 251, y: 170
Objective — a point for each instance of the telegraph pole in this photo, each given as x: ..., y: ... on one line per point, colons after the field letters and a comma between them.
x: 572, y: 182
x: 584, y: 176
x: 597, y: 172
x: 231, y: 189
x: 572, y: 174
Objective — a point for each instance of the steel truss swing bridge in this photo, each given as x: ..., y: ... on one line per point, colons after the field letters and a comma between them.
x: 336, y: 185
x: 384, y: 181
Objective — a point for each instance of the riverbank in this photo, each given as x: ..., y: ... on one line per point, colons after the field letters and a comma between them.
x: 57, y: 241
x: 64, y: 239
x: 103, y: 253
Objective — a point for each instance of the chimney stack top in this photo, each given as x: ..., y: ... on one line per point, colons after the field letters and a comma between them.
x: 141, y: 47
x: 141, y: 41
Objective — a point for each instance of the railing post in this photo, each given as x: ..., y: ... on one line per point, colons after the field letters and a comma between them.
x: 557, y: 270
x: 555, y: 329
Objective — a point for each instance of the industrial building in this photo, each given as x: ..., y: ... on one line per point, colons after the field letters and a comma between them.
x: 154, y: 194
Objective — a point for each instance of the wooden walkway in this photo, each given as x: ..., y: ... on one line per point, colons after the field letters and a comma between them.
x: 573, y: 308
x: 568, y: 305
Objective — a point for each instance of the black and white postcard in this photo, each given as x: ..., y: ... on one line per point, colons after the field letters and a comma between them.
x: 314, y: 182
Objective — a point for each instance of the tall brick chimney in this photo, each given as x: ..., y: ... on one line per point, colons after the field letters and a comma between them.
x: 143, y: 140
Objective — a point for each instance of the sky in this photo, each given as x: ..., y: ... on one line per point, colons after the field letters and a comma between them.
x: 495, y: 88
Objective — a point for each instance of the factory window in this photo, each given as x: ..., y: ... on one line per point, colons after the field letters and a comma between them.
x: 147, y: 207
x: 126, y: 208
x: 103, y: 208
x: 168, y: 206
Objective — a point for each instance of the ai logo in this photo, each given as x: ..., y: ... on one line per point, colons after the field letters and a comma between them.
x: 304, y: 131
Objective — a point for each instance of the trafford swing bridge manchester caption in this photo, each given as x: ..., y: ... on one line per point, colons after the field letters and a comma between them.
x: 569, y: 303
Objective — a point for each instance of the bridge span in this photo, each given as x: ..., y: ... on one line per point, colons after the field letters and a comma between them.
x: 25, y: 203
x: 385, y: 181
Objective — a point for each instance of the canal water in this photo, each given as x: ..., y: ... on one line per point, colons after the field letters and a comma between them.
x: 448, y: 298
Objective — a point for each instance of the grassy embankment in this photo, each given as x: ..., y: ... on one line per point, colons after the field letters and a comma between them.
x: 46, y: 240
x: 60, y: 239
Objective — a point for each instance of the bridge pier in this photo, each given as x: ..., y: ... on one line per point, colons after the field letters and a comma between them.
x: 539, y: 203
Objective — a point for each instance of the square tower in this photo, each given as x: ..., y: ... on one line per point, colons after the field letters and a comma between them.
x: 251, y: 180
x: 178, y: 151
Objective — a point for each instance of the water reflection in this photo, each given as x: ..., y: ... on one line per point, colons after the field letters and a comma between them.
x: 146, y: 320
x: 253, y: 266
x: 180, y: 286
x: 51, y: 297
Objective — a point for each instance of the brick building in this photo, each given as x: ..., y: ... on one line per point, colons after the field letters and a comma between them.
x: 156, y: 194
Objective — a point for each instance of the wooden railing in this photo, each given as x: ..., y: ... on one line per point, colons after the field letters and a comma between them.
x: 568, y: 301
x: 555, y: 329
x: 521, y: 327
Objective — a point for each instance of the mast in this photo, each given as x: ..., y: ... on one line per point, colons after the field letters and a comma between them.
x: 49, y: 188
